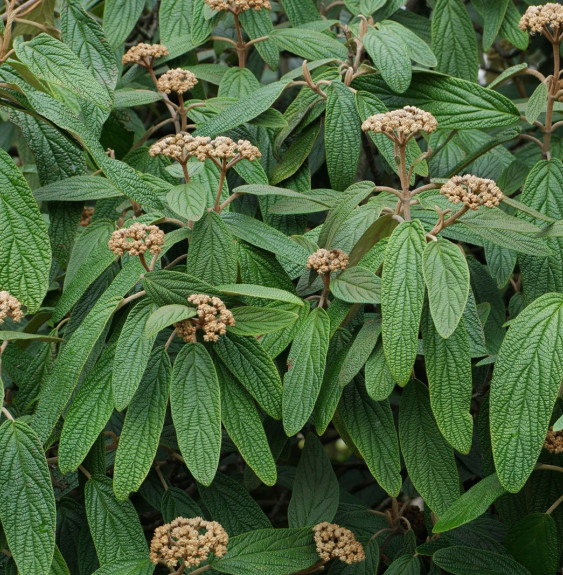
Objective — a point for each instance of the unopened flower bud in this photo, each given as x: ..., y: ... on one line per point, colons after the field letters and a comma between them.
x: 335, y: 542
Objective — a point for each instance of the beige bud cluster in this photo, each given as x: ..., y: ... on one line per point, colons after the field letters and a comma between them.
x: 136, y: 240
x: 144, y: 54
x: 86, y: 217
x: 472, y: 191
x: 10, y: 306
x: 335, y: 542
x: 541, y: 18
x: 177, y: 80
x: 189, y: 541
x: 213, y: 317
x: 554, y: 442
x: 326, y: 261
x: 239, y: 5
x: 401, y: 125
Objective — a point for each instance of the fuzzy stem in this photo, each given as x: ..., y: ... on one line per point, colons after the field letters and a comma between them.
x: 405, y: 185
x: 241, y: 46
x: 326, y: 289
x: 217, y: 206
x: 552, y: 95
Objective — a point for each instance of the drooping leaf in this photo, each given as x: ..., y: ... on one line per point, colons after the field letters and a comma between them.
x: 379, y: 380
x: 127, y: 567
x: 177, y: 503
x: 461, y: 560
x: 262, y: 292
x: 360, y: 350
x: 537, y: 103
x: 311, y: 45
x: 250, y: 320
x: 357, y: 285
x: 167, y: 315
x: 120, y: 17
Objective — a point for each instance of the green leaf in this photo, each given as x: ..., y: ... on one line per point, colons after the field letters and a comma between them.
x: 316, y: 493
x: 429, y: 459
x: 212, y: 255
x: 132, y: 353
x: 71, y: 360
x: 501, y: 263
x: 77, y: 189
x: 195, y: 399
x: 200, y: 26
x: 404, y: 565
x: 20, y: 335
x: 25, y: 258
x: 59, y: 566
x: 188, y: 200
x: 465, y: 561
x: 57, y: 64
x: 243, y: 425
x: 472, y: 504
x: 402, y: 297
x: 250, y: 320
x: 174, y: 19
x: 114, y: 525
x: 360, y: 350
x: 456, y: 104
x: 237, y: 83
x: 300, y: 12
x: 306, y: 361
x: 27, y: 503
x: 261, y: 292
x: 357, y: 285
x: 141, y: 431
x: 166, y: 287
x: 127, y: 567
x: 447, y: 277
x: 526, y: 379
x: 371, y: 427
x: 247, y: 360
x: 379, y: 380
x: 390, y: 56
x: 493, y: 15
x: 120, y: 17
x: 272, y: 551
x: 231, y: 504
x: 454, y: 41
x: 308, y: 44
x: 417, y: 48
x: 177, y: 503
x: 448, y: 368
x: 510, y: 29
x: 257, y: 24
x: 342, y: 136
x: 537, y: 103
x: 167, y: 315
x: 533, y: 543
x: 88, y: 414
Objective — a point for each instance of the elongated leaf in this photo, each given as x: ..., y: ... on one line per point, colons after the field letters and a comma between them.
x: 132, y: 353
x: 56, y: 63
x: 402, y: 297
x: 253, y: 367
x: 167, y: 315
x: 26, y: 499
x: 357, y: 285
x: 310, y: 44
x: 447, y: 277
x: 342, y: 136
x: 114, y: 525
x: 306, y: 361
x: 464, y: 561
x: 379, y: 380
x: 77, y: 189
x: 429, y: 459
x: 177, y: 503
x: 471, y: 504
x: 257, y: 24
x: 272, y: 551
x: 127, y: 567
x: 26, y: 253
x: 120, y: 17
x: 360, y: 350
x: 195, y: 399
x: 20, y: 335
x: 251, y: 320
x: 262, y: 292
x: 448, y: 367
x: 243, y: 424
x: 417, y: 48
x: 315, y: 494
x: 371, y: 427
x: 537, y: 103
x: 454, y: 41
x: 167, y: 287
x: 526, y: 379
x: 88, y: 414
x: 141, y: 431
x: 188, y: 200
x: 390, y: 56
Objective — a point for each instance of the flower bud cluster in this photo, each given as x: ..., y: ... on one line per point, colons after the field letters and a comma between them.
x: 541, y: 18
x: 554, y: 442
x: 189, y: 541
x: 239, y: 5
x: 213, y: 317
x: 401, y: 125
x: 335, y: 542
x: 326, y: 261
x: 177, y: 80
x: 10, y: 307
x: 144, y: 54
x: 136, y: 240
x: 472, y: 191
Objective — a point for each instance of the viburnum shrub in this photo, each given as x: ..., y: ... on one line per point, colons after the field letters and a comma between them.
x: 281, y: 287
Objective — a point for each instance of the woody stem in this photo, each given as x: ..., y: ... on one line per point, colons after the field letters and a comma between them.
x: 326, y: 289
x: 241, y: 46
x: 553, y: 85
x: 217, y: 206
x: 403, y: 175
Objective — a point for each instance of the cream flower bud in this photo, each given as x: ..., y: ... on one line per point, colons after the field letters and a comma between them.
x: 335, y: 542
x: 472, y: 191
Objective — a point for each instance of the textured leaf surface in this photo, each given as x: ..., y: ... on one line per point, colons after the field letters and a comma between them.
x: 262, y: 292
x: 429, y: 459
x: 360, y: 350
x: 251, y: 320
x: 188, y: 200
x: 127, y: 567
x: 177, y: 503
x: 311, y: 45
x: 141, y: 431
x: 357, y: 285
x: 25, y: 258
x: 371, y: 427
x: 447, y: 277
x: 167, y: 315
x: 306, y: 362
x: 402, y: 297
x: 316, y: 493
x: 526, y: 380
x: 114, y: 525
x: 120, y: 16
x: 26, y: 499
x: 195, y: 399
x: 461, y: 560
